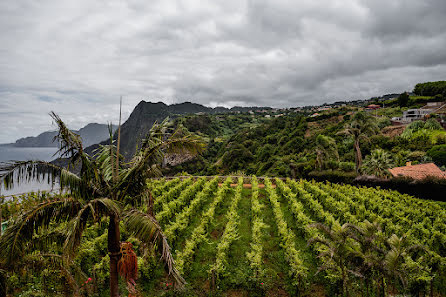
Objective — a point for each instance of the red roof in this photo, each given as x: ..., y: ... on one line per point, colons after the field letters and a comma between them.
x: 419, y: 171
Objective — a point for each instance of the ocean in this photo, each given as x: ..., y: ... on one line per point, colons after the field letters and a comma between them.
x: 9, y: 153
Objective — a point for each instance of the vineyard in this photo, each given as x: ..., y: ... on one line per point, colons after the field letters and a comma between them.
x: 249, y: 236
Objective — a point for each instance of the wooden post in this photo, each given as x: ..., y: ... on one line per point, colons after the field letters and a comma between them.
x: 213, y: 280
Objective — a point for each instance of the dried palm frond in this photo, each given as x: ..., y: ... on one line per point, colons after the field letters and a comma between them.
x: 128, y: 264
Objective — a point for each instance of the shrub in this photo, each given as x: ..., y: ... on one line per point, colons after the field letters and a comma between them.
x: 438, y: 154
x: 432, y: 124
x: 347, y: 166
x: 333, y: 176
x: 332, y: 164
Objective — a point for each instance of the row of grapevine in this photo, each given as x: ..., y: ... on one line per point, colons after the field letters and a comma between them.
x: 338, y: 208
x: 159, y: 186
x: 296, y: 208
x: 182, y: 219
x: 399, y: 224
x: 428, y: 214
x: 297, y: 268
x: 313, y: 205
x: 231, y: 233
x: 199, y: 233
x: 170, y: 208
x: 172, y: 193
x: 390, y: 216
x: 302, y: 220
x: 255, y: 255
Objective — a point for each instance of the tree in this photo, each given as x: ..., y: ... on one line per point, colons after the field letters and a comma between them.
x: 326, y: 149
x: 438, y: 154
x: 378, y: 163
x: 104, y: 187
x: 403, y: 99
x: 337, y: 246
x: 360, y: 129
x: 379, y: 258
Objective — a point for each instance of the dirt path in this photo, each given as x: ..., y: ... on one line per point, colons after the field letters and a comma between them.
x: 247, y: 186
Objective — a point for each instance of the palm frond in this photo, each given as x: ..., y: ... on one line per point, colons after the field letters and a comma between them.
x: 321, y: 227
x: 48, y: 239
x: 318, y: 239
x: 72, y: 273
x: 93, y: 210
x: 70, y: 142
x: 19, y: 234
x: 15, y: 173
x: 77, y: 186
x: 147, y: 229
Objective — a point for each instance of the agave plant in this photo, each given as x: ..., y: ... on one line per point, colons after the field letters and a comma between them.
x: 378, y: 163
x: 104, y: 187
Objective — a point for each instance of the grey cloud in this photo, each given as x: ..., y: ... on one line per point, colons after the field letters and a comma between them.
x: 78, y: 57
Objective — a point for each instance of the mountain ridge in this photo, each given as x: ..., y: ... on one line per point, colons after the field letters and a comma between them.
x: 145, y: 114
x: 91, y: 133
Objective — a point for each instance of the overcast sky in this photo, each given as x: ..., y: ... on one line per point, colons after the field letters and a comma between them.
x: 78, y: 57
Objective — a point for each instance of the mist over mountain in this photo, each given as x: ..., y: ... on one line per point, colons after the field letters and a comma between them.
x: 90, y: 134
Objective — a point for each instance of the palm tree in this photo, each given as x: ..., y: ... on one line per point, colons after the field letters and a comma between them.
x: 368, y: 259
x: 337, y: 247
x: 380, y: 257
x: 378, y: 163
x: 104, y: 187
x: 360, y: 128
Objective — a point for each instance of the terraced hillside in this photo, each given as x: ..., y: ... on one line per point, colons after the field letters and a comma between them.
x: 244, y: 236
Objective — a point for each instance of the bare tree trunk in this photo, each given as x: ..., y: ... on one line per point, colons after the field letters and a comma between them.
x: 114, y: 253
x: 431, y: 287
x: 358, y: 156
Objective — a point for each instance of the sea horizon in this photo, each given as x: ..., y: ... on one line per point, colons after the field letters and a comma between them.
x: 12, y: 153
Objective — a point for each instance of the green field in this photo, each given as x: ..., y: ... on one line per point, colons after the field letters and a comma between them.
x: 248, y: 237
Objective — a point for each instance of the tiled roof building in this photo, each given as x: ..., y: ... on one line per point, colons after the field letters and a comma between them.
x: 419, y: 171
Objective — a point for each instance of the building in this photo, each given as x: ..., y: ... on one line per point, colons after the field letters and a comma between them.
x: 418, y: 172
x: 411, y: 115
x: 373, y: 107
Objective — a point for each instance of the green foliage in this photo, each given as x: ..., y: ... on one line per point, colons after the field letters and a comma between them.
x: 259, y: 244
x: 432, y: 124
x: 326, y: 152
x: 424, y: 134
x: 403, y: 99
x: 347, y: 166
x: 378, y: 163
x: 430, y: 88
x: 50, y: 232
x: 438, y: 154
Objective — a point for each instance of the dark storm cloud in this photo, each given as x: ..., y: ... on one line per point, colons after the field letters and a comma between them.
x: 78, y: 57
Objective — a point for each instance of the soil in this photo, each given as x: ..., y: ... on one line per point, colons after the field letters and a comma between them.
x: 393, y: 131
x: 277, y: 292
x: 248, y: 186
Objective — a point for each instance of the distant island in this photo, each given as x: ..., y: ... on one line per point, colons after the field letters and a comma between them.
x: 90, y: 134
